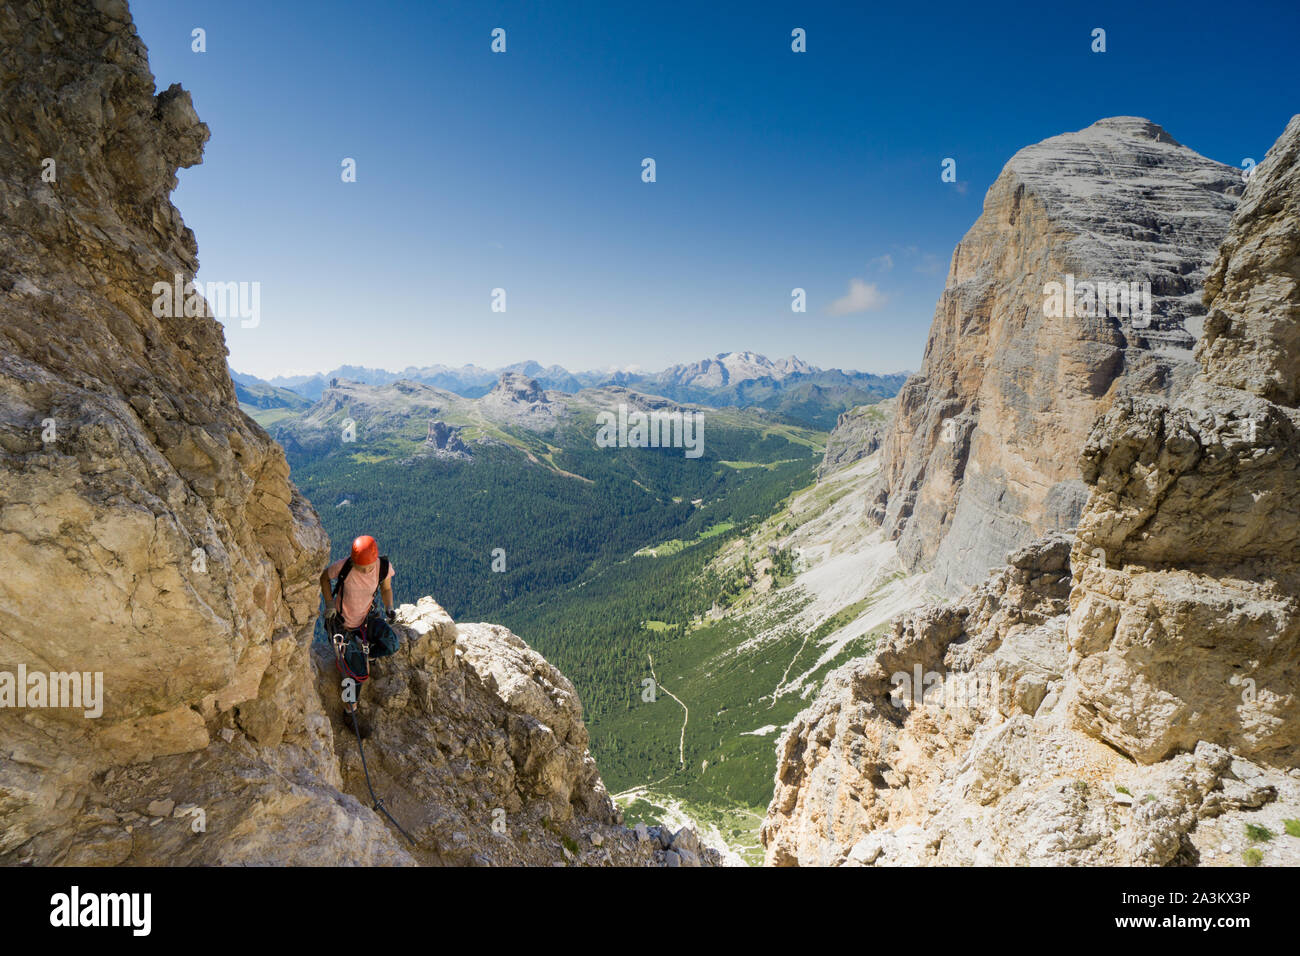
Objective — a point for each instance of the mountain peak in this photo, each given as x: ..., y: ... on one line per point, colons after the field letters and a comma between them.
x: 1120, y: 202
x: 1134, y: 126
x: 730, y: 368
x: 518, y: 388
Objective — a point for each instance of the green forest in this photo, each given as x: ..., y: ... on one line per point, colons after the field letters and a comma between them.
x: 572, y: 584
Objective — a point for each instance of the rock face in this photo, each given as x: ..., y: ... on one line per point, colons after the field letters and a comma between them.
x: 445, y: 439
x: 1129, y: 695
x: 958, y: 743
x: 1186, y: 607
x: 982, y: 455
x: 857, y: 433
x: 150, y: 530
x: 1252, y: 336
x: 151, y: 536
x: 519, y: 388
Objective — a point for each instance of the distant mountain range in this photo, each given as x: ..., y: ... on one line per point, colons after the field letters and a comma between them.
x: 789, y: 387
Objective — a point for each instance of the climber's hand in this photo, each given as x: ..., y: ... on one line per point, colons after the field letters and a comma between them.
x: 390, y: 615
x: 333, y: 622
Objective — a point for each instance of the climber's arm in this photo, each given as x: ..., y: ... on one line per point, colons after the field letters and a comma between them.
x: 386, y: 589
x: 325, y: 590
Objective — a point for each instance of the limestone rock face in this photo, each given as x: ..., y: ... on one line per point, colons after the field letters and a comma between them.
x: 445, y: 440
x: 958, y: 744
x: 1252, y: 336
x: 149, y: 533
x: 982, y: 454
x: 857, y: 433
x: 1136, y: 688
x: 873, y: 749
x: 1186, y: 607
x: 517, y: 387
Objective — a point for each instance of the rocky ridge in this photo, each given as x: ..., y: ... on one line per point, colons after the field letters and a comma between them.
x: 517, y: 399
x: 1123, y: 695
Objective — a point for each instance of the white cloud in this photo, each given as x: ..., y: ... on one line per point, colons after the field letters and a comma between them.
x: 862, y: 297
x: 883, y: 263
x: 931, y: 265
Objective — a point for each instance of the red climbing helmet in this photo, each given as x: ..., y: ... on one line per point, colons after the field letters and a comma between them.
x: 365, y: 550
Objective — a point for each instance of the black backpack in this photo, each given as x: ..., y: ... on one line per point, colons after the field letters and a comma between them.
x: 347, y: 569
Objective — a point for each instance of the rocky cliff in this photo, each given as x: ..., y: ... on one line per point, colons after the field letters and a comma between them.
x: 857, y: 434
x: 1185, y: 614
x: 151, y: 536
x: 983, y: 453
x: 1130, y: 695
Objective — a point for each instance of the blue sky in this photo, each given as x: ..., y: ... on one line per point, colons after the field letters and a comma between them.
x: 775, y: 169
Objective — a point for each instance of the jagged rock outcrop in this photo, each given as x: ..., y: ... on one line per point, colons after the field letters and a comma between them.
x: 475, y: 743
x: 151, y: 535
x: 958, y: 744
x: 1252, y: 335
x: 445, y: 440
x: 517, y: 387
x: 518, y: 400
x: 479, y: 750
x: 982, y: 454
x: 1137, y: 703
x: 857, y: 433
x: 1186, y: 607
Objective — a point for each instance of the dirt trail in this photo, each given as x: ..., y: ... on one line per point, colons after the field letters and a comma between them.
x: 681, y: 746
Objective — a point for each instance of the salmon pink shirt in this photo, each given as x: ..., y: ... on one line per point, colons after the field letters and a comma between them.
x: 358, y: 590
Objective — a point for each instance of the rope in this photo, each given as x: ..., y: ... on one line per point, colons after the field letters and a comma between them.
x: 341, y: 657
x: 379, y: 804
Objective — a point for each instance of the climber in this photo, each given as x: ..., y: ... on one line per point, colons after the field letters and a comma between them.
x: 353, y: 621
x: 359, y: 633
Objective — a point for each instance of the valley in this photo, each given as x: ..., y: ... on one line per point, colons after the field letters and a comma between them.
x: 746, y: 668
x: 738, y: 580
